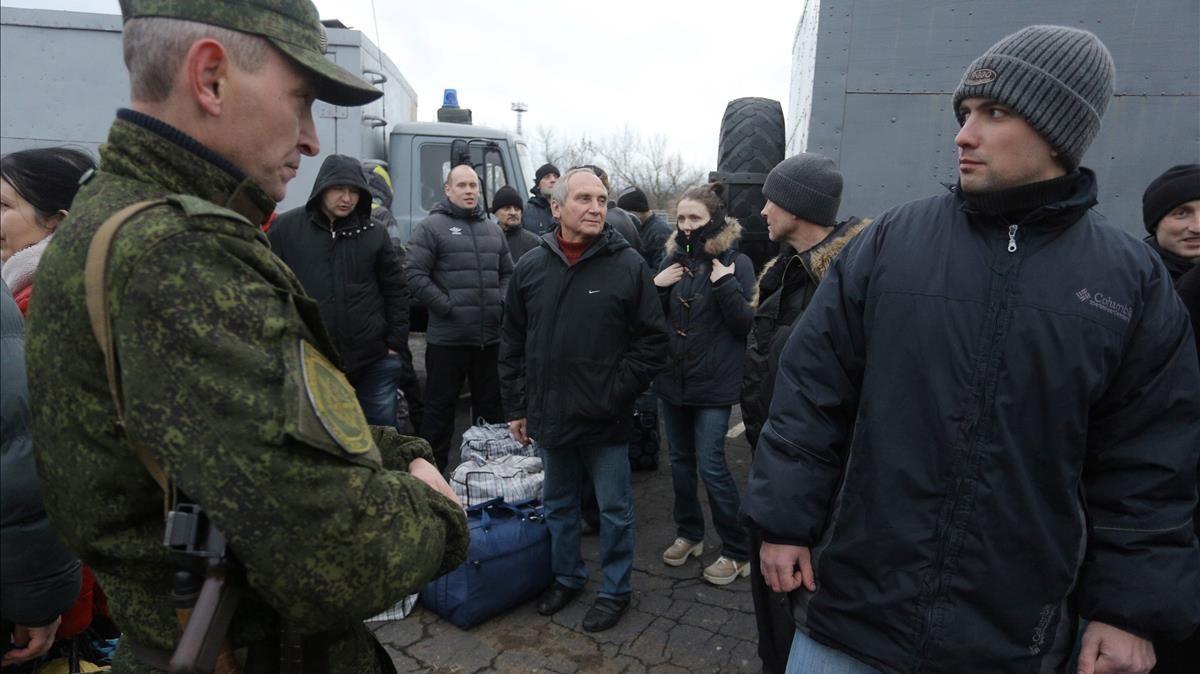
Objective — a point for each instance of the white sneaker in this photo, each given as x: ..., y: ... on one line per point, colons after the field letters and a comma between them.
x: 680, y: 550
x: 724, y: 571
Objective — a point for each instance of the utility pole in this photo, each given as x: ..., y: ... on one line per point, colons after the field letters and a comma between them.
x: 519, y: 108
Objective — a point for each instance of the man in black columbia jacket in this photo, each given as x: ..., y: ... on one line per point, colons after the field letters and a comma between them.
x: 986, y: 423
x: 583, y: 335
x: 348, y: 265
x: 458, y: 267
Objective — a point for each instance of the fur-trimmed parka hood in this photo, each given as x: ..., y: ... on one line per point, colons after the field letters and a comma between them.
x: 816, y: 260
x: 725, y: 240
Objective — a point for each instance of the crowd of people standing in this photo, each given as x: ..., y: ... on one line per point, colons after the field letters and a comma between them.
x: 975, y: 419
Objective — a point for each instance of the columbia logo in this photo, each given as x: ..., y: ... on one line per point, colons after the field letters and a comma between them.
x: 1105, y: 303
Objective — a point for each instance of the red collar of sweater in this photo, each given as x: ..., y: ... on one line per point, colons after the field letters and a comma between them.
x: 572, y: 251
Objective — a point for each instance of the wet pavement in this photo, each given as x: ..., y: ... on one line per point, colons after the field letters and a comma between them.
x: 676, y: 623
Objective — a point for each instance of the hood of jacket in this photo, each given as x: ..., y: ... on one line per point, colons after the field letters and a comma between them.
x: 380, y: 185
x: 816, y: 260
x: 724, y: 240
x: 446, y: 207
x: 336, y: 171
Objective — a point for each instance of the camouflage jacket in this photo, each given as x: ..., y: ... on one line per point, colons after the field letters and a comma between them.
x: 225, y: 375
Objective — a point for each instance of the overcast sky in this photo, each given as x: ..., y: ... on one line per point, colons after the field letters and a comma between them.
x: 662, y: 67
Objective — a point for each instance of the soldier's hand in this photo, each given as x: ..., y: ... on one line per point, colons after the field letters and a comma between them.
x: 30, y: 642
x: 1105, y: 649
x: 787, y: 567
x: 430, y: 475
x: 517, y: 428
x: 669, y: 276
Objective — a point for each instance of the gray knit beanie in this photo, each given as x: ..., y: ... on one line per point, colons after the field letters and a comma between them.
x: 808, y: 186
x: 1058, y: 79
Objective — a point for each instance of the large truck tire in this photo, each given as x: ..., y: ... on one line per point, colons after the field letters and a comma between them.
x: 752, y: 142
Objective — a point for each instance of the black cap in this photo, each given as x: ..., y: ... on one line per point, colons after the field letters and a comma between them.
x: 1177, y: 185
x: 506, y: 196
x: 545, y: 170
x: 633, y: 199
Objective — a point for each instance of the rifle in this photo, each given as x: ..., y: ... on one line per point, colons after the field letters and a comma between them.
x: 204, y: 605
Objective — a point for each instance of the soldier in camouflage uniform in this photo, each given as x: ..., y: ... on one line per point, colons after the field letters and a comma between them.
x: 227, y: 377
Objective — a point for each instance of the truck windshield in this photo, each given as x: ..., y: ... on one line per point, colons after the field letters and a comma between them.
x: 435, y: 166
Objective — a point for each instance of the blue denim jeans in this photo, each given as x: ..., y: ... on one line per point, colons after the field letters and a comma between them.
x: 697, y: 435
x: 809, y: 657
x: 375, y: 386
x: 608, y: 466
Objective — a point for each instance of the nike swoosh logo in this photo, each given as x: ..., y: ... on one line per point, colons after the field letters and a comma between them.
x: 593, y: 292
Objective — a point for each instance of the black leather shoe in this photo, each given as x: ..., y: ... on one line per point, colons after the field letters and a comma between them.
x: 556, y: 598
x: 604, y: 614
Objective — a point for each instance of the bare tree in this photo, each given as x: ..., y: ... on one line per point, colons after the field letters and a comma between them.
x: 629, y: 160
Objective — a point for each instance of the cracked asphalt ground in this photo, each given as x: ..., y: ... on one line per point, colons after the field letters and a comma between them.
x: 676, y: 623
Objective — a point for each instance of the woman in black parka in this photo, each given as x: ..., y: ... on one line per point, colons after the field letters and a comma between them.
x: 705, y: 286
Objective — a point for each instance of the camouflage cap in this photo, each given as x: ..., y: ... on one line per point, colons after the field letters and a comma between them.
x: 293, y: 26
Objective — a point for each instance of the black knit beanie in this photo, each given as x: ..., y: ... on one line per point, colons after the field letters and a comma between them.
x: 808, y: 186
x: 1058, y: 79
x: 633, y: 199
x: 545, y: 170
x: 1179, y: 184
x: 506, y: 196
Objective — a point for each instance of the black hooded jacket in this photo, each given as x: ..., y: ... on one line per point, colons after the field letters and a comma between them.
x: 580, y: 342
x: 708, y: 322
x: 984, y: 429
x: 349, y: 267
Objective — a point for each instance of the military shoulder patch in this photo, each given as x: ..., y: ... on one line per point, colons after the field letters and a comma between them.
x: 334, y: 402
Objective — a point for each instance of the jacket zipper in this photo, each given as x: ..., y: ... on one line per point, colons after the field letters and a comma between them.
x: 482, y: 293
x: 973, y: 440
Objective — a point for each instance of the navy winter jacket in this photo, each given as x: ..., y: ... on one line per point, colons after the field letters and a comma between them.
x: 984, y: 432
x: 580, y: 341
x: 707, y: 322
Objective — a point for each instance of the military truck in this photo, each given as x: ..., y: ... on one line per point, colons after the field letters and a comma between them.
x: 64, y: 78
x: 872, y: 84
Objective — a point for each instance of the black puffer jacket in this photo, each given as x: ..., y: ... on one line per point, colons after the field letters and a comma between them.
x: 537, y: 217
x: 580, y: 342
x: 349, y: 267
x: 981, y: 446
x: 707, y: 322
x: 458, y: 267
x: 785, y: 287
x: 39, y: 579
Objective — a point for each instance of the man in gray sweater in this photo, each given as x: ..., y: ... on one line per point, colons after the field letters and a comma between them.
x: 458, y: 267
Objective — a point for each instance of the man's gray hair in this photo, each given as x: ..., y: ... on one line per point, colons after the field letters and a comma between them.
x: 559, y: 193
x: 155, y: 47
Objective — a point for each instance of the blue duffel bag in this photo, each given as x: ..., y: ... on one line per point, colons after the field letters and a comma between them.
x: 508, y: 563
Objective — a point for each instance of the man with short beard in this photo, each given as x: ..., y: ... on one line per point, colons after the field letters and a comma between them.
x: 986, y: 424
x: 506, y: 208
